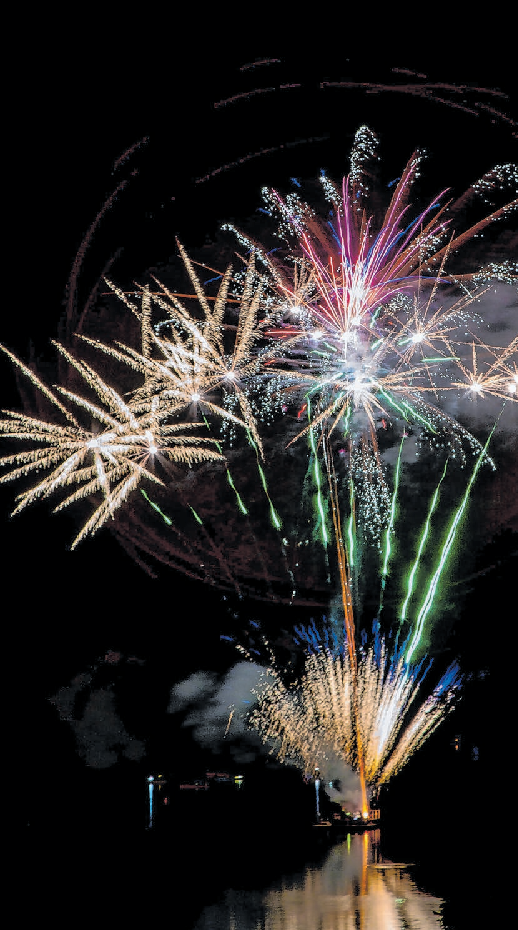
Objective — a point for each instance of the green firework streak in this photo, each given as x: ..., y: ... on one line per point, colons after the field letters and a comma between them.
x: 350, y: 525
x: 417, y: 416
x: 346, y: 420
x: 409, y: 410
x: 441, y: 358
x: 375, y: 316
x: 195, y: 515
x: 164, y: 516
x: 236, y: 492
x: 276, y: 520
x: 316, y: 473
x: 450, y: 539
x: 422, y: 543
x: 229, y: 477
x: 390, y: 525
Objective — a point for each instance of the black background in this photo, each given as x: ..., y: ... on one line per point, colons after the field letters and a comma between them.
x: 74, y: 107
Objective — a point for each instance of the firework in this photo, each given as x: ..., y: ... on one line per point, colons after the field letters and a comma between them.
x: 358, y: 704
x: 110, y: 460
x: 355, y: 325
x: 346, y: 334
x: 315, y: 719
x: 365, y: 332
x: 187, y: 361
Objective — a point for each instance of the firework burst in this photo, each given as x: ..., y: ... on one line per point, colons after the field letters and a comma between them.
x: 313, y: 720
x: 112, y: 458
x: 348, y: 332
x: 367, y: 333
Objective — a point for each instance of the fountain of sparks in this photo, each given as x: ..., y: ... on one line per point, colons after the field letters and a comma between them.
x: 336, y: 711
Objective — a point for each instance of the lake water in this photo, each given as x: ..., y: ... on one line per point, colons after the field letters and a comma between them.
x: 252, y: 872
x: 352, y: 888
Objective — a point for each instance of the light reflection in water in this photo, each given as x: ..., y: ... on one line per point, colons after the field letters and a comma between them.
x: 350, y: 890
x: 151, y: 788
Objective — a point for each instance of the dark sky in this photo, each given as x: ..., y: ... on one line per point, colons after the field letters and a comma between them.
x: 79, y: 112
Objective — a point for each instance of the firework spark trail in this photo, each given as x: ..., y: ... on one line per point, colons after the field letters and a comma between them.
x: 314, y: 721
x: 349, y: 626
x: 167, y: 520
x: 318, y: 482
x: 83, y: 248
x: 445, y: 551
x: 230, y: 480
x: 229, y: 722
x: 422, y: 543
x: 390, y: 526
x: 274, y: 516
x: 351, y: 526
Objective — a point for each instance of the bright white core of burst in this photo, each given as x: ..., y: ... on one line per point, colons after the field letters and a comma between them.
x: 100, y: 441
x: 152, y: 448
x: 359, y: 387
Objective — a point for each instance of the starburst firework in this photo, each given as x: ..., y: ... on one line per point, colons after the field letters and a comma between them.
x: 367, y: 344
x: 112, y: 458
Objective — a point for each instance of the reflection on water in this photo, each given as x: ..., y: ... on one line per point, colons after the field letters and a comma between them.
x: 352, y: 889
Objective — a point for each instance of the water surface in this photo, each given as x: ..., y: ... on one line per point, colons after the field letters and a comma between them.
x: 352, y: 888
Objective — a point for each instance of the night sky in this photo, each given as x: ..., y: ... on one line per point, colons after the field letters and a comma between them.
x: 93, y: 612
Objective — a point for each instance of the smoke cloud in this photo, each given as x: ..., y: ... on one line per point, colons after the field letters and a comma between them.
x: 101, y: 738
x: 216, y: 709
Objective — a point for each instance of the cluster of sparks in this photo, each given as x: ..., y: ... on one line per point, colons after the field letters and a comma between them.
x: 313, y: 721
x: 349, y: 326
x: 110, y: 459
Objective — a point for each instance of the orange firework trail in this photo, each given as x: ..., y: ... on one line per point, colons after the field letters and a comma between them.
x: 350, y: 631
